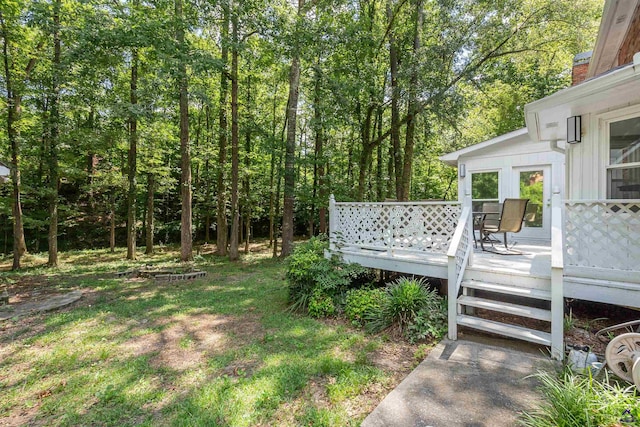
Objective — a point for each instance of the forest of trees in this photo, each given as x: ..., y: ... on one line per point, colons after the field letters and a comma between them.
x: 145, y: 122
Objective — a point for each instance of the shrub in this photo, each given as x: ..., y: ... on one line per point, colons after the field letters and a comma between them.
x: 308, y: 270
x: 571, y: 400
x: 403, y: 299
x: 361, y: 304
x: 430, y: 321
x: 320, y: 304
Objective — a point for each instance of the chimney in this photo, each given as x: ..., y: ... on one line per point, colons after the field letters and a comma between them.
x: 580, y: 67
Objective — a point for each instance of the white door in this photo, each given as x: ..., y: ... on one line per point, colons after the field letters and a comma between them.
x: 534, y: 183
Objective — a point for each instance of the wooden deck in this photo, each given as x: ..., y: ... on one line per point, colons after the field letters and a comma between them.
x: 534, y: 262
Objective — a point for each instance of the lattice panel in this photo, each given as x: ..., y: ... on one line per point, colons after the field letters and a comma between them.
x: 422, y: 227
x: 603, y: 235
x: 465, y: 243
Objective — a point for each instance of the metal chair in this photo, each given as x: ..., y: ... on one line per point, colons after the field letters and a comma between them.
x: 510, y: 221
x: 490, y: 213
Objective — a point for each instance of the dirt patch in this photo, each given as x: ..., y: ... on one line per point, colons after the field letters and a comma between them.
x: 186, y: 342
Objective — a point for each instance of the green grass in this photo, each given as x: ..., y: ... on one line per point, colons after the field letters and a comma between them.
x: 218, y: 351
x: 572, y: 400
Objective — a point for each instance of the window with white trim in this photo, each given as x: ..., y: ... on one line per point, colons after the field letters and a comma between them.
x: 484, y: 188
x: 623, y: 169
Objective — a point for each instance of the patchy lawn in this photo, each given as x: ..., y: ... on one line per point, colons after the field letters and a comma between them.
x: 221, y: 350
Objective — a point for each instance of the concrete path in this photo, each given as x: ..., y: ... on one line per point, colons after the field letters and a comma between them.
x: 464, y: 383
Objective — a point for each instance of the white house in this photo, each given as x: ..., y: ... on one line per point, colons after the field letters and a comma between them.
x: 4, y: 172
x: 511, y: 166
x: 583, y: 145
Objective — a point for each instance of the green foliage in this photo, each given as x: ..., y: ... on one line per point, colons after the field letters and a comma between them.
x: 572, y: 400
x: 404, y: 298
x: 320, y: 304
x: 361, y: 304
x: 308, y: 271
x: 430, y: 321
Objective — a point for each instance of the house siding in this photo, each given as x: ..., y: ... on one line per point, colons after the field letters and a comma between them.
x: 631, y: 43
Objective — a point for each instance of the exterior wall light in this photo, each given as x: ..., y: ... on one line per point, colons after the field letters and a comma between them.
x: 574, y: 129
x: 462, y: 170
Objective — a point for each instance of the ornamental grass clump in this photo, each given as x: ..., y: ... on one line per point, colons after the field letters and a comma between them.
x: 404, y: 300
x: 571, y: 400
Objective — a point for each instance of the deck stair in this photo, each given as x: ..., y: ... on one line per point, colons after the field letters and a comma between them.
x: 507, y: 299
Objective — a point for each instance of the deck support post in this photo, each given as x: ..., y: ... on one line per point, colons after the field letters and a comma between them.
x: 557, y: 273
x: 452, y: 299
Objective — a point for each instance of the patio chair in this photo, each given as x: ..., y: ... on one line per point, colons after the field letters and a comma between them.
x: 490, y: 213
x: 510, y: 221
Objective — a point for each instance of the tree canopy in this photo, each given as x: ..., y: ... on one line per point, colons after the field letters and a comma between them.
x: 218, y: 120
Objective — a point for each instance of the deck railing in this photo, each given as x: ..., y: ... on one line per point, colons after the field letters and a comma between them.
x: 602, y: 239
x: 423, y: 227
x: 458, y: 258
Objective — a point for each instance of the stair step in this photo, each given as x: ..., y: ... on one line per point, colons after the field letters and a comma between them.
x: 512, y: 331
x: 507, y: 289
x: 505, y: 307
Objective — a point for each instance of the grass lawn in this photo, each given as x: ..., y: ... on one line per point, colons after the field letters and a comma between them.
x: 221, y: 350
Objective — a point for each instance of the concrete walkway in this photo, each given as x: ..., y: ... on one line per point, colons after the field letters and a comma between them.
x: 464, y: 383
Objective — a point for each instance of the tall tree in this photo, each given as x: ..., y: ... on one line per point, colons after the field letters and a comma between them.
x: 53, y: 137
x: 235, y: 155
x: 289, y: 164
x: 133, y: 149
x: 186, y: 243
x: 221, y: 220
x: 13, y: 88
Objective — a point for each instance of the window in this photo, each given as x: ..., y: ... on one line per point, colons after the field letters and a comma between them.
x: 532, y: 188
x: 484, y: 188
x: 623, y: 170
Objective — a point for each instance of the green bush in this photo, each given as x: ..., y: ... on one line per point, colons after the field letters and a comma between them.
x: 320, y: 304
x: 361, y: 304
x: 308, y: 270
x: 571, y: 400
x: 430, y: 321
x: 403, y: 300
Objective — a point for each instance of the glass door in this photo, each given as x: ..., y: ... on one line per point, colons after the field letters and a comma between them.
x: 533, y: 183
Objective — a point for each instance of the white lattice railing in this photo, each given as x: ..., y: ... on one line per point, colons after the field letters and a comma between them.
x: 603, y: 235
x: 424, y: 227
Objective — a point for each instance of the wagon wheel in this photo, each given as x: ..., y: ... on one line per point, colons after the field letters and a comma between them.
x: 622, y: 354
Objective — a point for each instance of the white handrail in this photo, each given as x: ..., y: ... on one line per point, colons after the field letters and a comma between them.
x: 457, y: 259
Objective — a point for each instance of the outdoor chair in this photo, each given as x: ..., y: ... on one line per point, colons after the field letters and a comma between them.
x: 510, y: 221
x: 490, y: 213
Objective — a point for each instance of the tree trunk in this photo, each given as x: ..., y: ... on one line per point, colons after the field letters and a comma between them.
x: 235, y: 214
x: 112, y: 223
x: 379, y: 182
x: 247, y: 179
x: 54, y: 134
x: 151, y: 188
x: 367, y: 150
x: 133, y: 146
x: 221, y: 220
x: 289, y: 166
x: 186, y: 243
x: 412, y: 111
x: 395, y: 101
x: 14, y: 110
